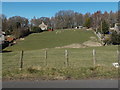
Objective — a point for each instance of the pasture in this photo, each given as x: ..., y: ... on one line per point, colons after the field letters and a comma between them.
x: 53, y: 39
x: 36, y: 66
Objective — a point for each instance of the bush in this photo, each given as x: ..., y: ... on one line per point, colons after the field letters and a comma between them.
x: 87, y: 23
x: 20, y: 32
x: 107, y: 39
x: 33, y: 69
x: 115, y: 38
x: 105, y: 27
x: 36, y: 29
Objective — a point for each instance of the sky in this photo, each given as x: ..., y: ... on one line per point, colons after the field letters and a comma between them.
x: 60, y: 0
x: 48, y: 9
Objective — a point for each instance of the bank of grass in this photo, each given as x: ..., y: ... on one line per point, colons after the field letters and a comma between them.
x: 80, y: 64
x: 53, y: 39
x: 66, y: 73
x: 80, y: 59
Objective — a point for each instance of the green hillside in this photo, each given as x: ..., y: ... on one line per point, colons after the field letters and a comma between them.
x: 36, y: 66
x: 52, y: 39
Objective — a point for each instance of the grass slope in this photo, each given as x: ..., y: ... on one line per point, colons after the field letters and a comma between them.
x: 80, y: 59
x: 80, y: 64
x: 52, y: 39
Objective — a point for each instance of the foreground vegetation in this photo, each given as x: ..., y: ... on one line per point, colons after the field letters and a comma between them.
x: 55, y: 73
x: 80, y: 64
x: 35, y: 66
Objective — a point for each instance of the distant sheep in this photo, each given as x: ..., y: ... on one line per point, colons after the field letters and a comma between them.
x: 58, y: 32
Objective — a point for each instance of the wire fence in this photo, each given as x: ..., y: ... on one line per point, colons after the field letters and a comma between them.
x: 59, y: 58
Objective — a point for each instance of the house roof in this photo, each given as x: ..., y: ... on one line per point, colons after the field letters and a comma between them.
x: 10, y: 39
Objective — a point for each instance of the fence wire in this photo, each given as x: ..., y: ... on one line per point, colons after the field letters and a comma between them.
x: 56, y: 58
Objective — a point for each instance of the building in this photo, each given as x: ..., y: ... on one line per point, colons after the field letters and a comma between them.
x: 2, y: 37
x: 43, y: 26
x: 79, y: 27
x: 10, y: 39
x: 117, y: 27
x: 50, y: 29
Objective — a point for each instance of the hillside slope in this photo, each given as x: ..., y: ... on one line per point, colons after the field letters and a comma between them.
x: 52, y: 39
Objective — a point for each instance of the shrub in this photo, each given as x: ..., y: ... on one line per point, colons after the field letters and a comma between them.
x: 36, y: 29
x: 105, y: 27
x: 115, y: 38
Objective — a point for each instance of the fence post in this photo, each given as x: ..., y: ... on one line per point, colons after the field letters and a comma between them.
x: 21, y: 59
x: 46, y: 57
x: 67, y: 59
x: 118, y: 56
x: 94, y: 57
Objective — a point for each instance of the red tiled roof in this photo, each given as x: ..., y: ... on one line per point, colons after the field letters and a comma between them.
x: 9, y: 39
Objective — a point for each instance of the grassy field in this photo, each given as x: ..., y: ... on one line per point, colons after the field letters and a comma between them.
x: 52, y: 39
x: 80, y: 59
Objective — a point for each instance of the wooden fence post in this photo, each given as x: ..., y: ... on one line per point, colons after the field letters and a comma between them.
x: 67, y: 59
x: 21, y: 59
x: 94, y: 57
x: 46, y: 57
x: 118, y: 56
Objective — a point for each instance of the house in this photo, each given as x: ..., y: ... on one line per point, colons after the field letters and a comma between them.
x: 2, y: 37
x: 117, y: 27
x: 79, y: 27
x: 43, y: 26
x: 10, y: 39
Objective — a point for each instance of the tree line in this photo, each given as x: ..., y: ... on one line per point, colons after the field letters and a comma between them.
x: 20, y: 26
x: 70, y: 19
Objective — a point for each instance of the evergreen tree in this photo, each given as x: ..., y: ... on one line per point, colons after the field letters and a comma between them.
x: 105, y: 27
x: 115, y: 38
x: 87, y: 23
